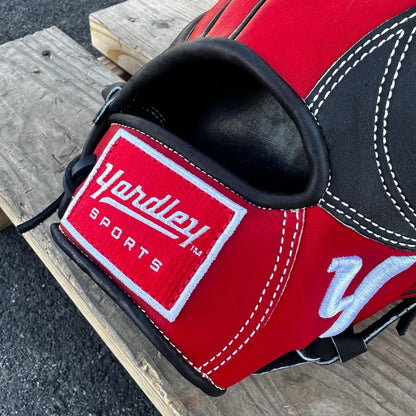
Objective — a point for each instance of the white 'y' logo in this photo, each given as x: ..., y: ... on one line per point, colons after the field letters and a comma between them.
x: 346, y: 268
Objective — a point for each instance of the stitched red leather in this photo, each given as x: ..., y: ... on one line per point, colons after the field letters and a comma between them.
x: 302, y: 39
x: 274, y: 269
x: 212, y: 316
x: 229, y: 310
x: 152, y: 225
x: 323, y: 239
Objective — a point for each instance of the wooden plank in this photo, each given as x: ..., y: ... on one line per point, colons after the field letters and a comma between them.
x: 133, y: 32
x: 4, y: 221
x: 52, y: 97
x: 50, y: 90
x: 114, y: 68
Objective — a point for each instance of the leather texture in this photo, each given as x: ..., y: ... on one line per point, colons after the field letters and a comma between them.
x: 365, y: 106
x: 302, y: 39
x: 136, y: 314
x: 273, y: 247
x: 225, y: 107
x: 232, y: 113
x: 229, y: 91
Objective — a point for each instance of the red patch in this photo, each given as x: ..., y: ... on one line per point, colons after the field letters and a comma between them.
x: 154, y: 226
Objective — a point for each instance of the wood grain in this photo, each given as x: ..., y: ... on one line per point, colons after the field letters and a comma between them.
x: 133, y: 32
x: 120, y: 72
x: 50, y: 90
x: 46, y: 103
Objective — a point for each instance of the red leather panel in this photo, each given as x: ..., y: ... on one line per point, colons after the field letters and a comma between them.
x: 302, y: 39
x: 295, y: 322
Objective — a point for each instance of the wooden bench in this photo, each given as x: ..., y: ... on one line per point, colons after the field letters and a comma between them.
x: 47, y: 102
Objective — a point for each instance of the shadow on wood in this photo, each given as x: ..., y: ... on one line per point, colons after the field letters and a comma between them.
x: 4, y: 221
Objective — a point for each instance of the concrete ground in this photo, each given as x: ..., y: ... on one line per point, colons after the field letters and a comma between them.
x: 51, y: 361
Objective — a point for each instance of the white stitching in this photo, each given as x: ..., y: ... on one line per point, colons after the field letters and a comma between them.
x: 386, y: 114
x: 359, y: 49
x: 380, y: 90
x: 270, y: 304
x: 156, y: 114
x: 313, y: 103
x: 356, y: 62
x: 196, y: 167
x: 339, y: 211
x: 204, y: 375
x: 368, y: 220
x: 329, y: 167
x: 161, y: 116
x: 261, y: 298
x: 327, y: 187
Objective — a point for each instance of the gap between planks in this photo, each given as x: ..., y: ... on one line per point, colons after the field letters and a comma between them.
x: 4, y: 221
x: 114, y: 68
x: 46, y: 107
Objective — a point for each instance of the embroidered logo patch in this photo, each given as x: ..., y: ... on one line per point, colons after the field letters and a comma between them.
x: 153, y: 226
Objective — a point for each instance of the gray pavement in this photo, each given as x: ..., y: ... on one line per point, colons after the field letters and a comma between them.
x: 51, y: 361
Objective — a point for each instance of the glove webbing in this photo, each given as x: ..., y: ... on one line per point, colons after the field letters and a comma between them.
x: 348, y: 344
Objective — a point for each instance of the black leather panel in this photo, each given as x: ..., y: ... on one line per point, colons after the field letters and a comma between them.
x: 186, y: 32
x: 366, y: 107
x: 402, y: 117
x: 225, y: 101
x: 232, y: 117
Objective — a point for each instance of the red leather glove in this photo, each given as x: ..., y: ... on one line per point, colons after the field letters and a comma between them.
x: 250, y: 194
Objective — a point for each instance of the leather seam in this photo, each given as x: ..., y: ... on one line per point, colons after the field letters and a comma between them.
x: 349, y: 217
x: 319, y: 105
x: 351, y: 56
x: 214, y: 20
x: 282, y: 241
x: 379, y: 169
x: 381, y: 228
x: 269, y: 308
x: 384, y: 129
x: 252, y: 13
x: 196, y: 167
x: 204, y: 375
x: 156, y: 113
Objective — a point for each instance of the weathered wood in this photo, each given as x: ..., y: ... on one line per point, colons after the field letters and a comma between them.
x: 114, y: 68
x: 46, y: 103
x: 50, y: 90
x: 4, y: 221
x: 133, y: 32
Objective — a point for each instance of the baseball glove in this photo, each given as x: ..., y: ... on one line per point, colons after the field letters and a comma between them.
x: 247, y: 197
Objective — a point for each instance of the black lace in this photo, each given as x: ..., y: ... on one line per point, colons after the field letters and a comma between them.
x: 348, y: 344
x: 75, y: 174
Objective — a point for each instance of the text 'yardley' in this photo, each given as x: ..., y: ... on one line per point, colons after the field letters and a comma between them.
x: 159, y: 209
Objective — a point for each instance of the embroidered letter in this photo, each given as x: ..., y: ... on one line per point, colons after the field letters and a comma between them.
x: 346, y: 268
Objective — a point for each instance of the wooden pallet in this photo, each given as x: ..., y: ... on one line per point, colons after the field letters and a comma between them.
x: 47, y: 102
x: 133, y: 32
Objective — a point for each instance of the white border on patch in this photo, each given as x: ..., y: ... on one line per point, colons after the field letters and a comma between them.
x: 239, y: 211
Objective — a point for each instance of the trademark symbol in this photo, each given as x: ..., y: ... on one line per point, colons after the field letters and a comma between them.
x: 196, y: 251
